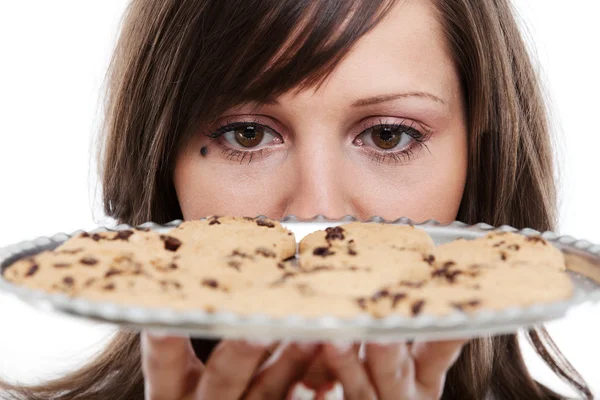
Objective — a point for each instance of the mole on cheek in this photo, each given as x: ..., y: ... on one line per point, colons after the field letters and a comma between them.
x: 204, y: 151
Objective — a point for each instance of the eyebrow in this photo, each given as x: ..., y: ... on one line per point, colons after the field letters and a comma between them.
x: 390, y: 97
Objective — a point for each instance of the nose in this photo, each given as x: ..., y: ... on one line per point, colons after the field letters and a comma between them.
x: 320, y: 184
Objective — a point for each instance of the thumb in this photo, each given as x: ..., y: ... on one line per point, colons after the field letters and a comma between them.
x: 170, y: 366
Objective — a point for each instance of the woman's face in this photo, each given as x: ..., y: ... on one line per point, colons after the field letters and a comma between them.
x: 385, y: 135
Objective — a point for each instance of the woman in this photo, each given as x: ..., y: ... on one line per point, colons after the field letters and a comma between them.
x: 425, y: 109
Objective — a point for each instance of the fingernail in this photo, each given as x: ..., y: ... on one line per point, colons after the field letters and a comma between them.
x: 341, y: 347
x: 259, y: 342
x: 307, y: 347
x: 159, y: 333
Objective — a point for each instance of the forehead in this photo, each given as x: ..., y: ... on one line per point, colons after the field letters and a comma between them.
x: 405, y: 52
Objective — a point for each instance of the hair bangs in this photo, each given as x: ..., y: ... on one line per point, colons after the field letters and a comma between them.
x: 293, y: 44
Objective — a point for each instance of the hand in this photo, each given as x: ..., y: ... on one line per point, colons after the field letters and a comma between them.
x: 172, y: 371
x: 393, y: 372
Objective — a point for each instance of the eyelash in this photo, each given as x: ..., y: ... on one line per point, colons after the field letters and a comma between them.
x: 232, y: 154
x: 419, y: 137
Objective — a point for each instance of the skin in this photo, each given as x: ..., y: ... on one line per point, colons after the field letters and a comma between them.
x: 315, y: 160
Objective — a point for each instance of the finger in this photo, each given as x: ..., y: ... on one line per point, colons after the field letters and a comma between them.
x: 317, y: 373
x: 330, y: 391
x: 169, y: 365
x: 230, y: 369
x: 391, y: 369
x: 343, y: 362
x: 433, y: 359
x: 275, y: 381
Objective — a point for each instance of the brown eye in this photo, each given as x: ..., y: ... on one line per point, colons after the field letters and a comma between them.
x: 249, y: 135
x: 386, y: 137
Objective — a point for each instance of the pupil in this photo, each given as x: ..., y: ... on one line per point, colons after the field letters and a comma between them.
x: 386, y: 138
x: 249, y: 132
x: 386, y: 135
x: 249, y: 136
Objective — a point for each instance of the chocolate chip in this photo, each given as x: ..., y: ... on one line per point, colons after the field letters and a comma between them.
x: 411, y: 284
x: 430, y: 259
x: 503, y: 256
x: 139, y: 269
x: 84, y: 235
x: 362, y: 303
x: 514, y: 247
x: 466, y: 304
x: 323, y: 252
x: 283, y: 278
x: 397, y: 298
x: 165, y: 283
x: 112, y: 272
x: 171, y: 243
x: 214, y: 221
x: 449, y: 264
x: 235, y: 264
x: 204, y: 151
x: 123, y: 235
x: 439, y: 272
x: 263, y: 251
x: 32, y: 270
x: 211, y: 283
x: 381, y: 294
x: 280, y: 265
x: 172, y: 266
x: 500, y: 243
x: 62, y: 265
x: 68, y: 281
x: 417, y: 307
x: 96, y: 237
x: 320, y: 268
x: 109, y: 287
x: 305, y: 289
x: 451, y: 276
x: 351, y: 251
x: 88, y: 261
x: 122, y: 259
x: 536, y: 239
x: 446, y: 273
x: 264, y: 222
x: 290, y: 233
x: 74, y: 251
x: 334, y: 233
x: 237, y: 253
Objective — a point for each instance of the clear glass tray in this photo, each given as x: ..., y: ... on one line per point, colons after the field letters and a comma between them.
x: 585, y: 277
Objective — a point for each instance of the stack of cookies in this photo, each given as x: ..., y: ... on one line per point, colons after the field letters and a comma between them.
x: 251, y: 266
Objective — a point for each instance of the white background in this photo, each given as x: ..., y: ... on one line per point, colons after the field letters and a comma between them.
x: 53, y: 57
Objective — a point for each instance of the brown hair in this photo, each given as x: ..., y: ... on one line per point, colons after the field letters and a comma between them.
x: 178, y: 63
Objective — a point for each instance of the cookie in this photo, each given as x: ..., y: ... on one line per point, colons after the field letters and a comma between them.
x: 502, y: 247
x: 217, y: 255
x: 363, y: 245
x: 248, y: 266
x: 222, y: 236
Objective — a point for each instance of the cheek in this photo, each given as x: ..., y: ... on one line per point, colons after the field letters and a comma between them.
x: 206, y: 188
x: 429, y: 187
